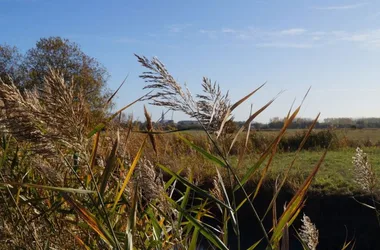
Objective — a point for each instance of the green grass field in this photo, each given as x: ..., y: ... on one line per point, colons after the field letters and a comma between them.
x: 336, y: 176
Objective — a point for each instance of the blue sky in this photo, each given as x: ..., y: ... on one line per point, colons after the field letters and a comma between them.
x: 332, y: 46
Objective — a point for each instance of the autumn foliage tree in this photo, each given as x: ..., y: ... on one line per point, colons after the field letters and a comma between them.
x: 10, y: 62
x: 28, y: 70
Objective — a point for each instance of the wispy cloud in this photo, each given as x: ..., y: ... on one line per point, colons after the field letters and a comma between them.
x: 298, y: 38
x: 371, y: 90
x: 125, y: 40
x: 296, y: 31
x: 286, y: 38
x: 341, y: 7
x: 177, y: 28
x: 209, y: 33
x: 228, y: 30
x: 285, y: 45
x: 367, y: 39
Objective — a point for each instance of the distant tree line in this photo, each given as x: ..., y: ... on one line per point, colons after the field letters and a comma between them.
x: 303, y: 123
x: 277, y: 123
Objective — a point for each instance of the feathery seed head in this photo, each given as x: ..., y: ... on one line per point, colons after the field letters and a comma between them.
x: 364, y: 175
x: 309, y: 233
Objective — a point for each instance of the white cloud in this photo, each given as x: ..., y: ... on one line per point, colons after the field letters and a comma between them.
x: 285, y: 45
x: 318, y: 33
x: 292, y: 32
x: 298, y: 37
x: 227, y: 30
x: 177, y: 28
x: 209, y: 33
x: 374, y: 43
x: 363, y: 36
x: 347, y: 90
x: 341, y: 7
x: 357, y: 37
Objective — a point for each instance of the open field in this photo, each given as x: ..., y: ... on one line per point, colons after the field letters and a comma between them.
x: 335, y: 177
x: 346, y: 137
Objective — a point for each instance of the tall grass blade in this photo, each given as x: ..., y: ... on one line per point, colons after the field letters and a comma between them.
x: 250, y: 119
x: 81, y: 242
x: 117, y: 90
x: 242, y: 153
x: 269, y: 149
x: 310, y: 129
x: 254, y: 245
x: 110, y: 166
x: 157, y: 229
x: 204, y: 152
x: 234, y: 106
x: 287, y: 123
x: 285, y: 238
x: 102, y: 125
x: 201, y: 192
x: 129, y: 174
x: 235, y: 224
x: 185, y: 199
x: 197, y: 225
x: 90, y: 220
x: 295, y: 204
x: 93, y: 155
x: 60, y: 189
x: 172, y: 180
x: 149, y: 127
x: 131, y: 221
x: 195, y: 235
x: 298, y: 236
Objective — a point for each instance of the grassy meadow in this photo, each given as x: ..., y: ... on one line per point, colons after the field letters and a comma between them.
x: 335, y: 177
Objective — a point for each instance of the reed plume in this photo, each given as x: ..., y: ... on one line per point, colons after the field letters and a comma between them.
x: 364, y: 175
x: 210, y: 108
x: 309, y: 233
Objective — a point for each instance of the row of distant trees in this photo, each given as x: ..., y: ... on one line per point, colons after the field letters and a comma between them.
x: 277, y: 123
x: 303, y: 123
x: 27, y: 70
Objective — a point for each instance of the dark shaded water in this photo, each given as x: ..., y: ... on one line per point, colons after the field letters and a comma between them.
x: 337, y: 218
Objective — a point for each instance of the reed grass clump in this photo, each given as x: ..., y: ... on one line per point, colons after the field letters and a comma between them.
x: 66, y: 184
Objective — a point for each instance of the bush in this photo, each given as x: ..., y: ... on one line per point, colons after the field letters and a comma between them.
x: 317, y: 140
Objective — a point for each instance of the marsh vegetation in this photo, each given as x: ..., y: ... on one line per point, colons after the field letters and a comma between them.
x: 74, y: 176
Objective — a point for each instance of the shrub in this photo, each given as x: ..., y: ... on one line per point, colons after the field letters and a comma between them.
x: 317, y: 140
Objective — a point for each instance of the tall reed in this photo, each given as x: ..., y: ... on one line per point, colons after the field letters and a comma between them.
x: 68, y: 185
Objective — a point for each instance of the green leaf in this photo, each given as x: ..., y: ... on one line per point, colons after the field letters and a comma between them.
x: 254, y: 245
x: 197, y: 225
x: 294, y: 205
x: 129, y: 174
x: 185, y: 200
x: 98, y: 127
x: 60, y: 189
x: 204, y: 152
x: 200, y: 191
x: 109, y: 168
